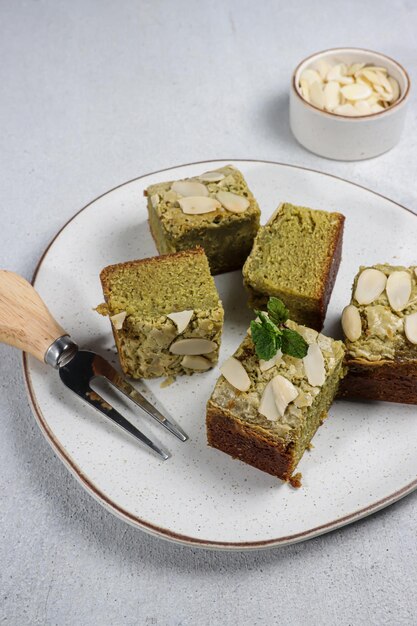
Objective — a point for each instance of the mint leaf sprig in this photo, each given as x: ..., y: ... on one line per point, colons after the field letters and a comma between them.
x: 269, y: 333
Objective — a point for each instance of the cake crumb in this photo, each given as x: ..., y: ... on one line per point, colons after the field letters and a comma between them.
x: 295, y: 481
x: 167, y: 382
x: 102, y: 309
x: 309, y: 446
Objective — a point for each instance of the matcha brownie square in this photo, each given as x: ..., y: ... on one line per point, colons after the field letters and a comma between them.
x: 266, y: 413
x: 380, y: 328
x: 166, y: 314
x: 215, y: 210
x: 296, y: 257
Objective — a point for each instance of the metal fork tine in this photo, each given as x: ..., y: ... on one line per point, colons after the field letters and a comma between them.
x: 107, y: 371
x: 93, y: 398
x: 130, y: 392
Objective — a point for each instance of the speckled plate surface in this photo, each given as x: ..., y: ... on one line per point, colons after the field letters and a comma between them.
x: 364, y: 456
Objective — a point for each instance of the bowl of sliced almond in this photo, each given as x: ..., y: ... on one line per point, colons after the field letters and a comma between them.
x: 348, y: 103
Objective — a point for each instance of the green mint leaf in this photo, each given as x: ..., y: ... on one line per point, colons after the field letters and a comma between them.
x: 264, y: 337
x: 267, y: 322
x: 277, y: 310
x: 293, y: 343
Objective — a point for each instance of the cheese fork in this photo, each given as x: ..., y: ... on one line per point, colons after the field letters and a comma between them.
x: 27, y: 324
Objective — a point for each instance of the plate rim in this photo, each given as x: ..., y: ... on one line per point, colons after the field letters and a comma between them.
x: 144, y: 525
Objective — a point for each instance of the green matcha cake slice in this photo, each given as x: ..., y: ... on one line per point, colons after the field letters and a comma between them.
x: 166, y: 314
x: 380, y: 327
x: 296, y: 257
x: 215, y: 210
x: 266, y: 413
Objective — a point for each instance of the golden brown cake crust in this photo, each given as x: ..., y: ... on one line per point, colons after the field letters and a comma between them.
x: 332, y: 270
x: 109, y: 269
x: 241, y: 442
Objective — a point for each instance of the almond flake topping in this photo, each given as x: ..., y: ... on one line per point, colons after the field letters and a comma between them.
x: 371, y: 283
x: 410, y: 327
x: 192, y: 346
x: 268, y: 407
x: 314, y: 366
x: 181, y: 319
x: 195, y: 362
x: 235, y: 374
x: 399, y: 290
x: 211, y: 177
x: 197, y: 205
x: 118, y: 319
x: 232, y: 202
x: 284, y: 393
x: 351, y: 322
x: 189, y: 188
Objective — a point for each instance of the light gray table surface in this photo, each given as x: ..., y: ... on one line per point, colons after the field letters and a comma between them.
x: 95, y: 93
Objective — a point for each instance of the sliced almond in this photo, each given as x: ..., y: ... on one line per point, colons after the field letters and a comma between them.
x: 305, y: 90
x: 232, y: 202
x: 195, y: 362
x: 189, y: 188
x: 310, y: 76
x: 268, y: 407
x: 337, y: 71
x: 284, y: 392
x: 371, y: 283
x: 317, y: 95
x: 377, y: 108
x: 154, y: 200
x: 383, y: 94
x: 356, y: 92
x: 395, y: 88
x: 264, y: 366
x: 314, y: 366
x: 346, y: 109
x: 345, y: 80
x: 351, y: 322
x: 410, y: 327
x: 376, y: 68
x: 399, y: 290
x: 118, y: 319
x: 235, y: 374
x: 323, y: 68
x: 355, y: 67
x: 331, y: 95
x: 211, y: 177
x: 170, y: 196
x: 181, y: 319
x: 197, y: 205
x: 193, y: 346
x: 363, y: 107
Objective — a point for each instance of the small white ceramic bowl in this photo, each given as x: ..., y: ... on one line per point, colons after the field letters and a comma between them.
x: 341, y: 137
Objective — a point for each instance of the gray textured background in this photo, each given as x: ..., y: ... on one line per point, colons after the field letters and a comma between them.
x: 92, y: 94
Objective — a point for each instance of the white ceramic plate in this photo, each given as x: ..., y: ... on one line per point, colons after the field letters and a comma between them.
x: 364, y: 456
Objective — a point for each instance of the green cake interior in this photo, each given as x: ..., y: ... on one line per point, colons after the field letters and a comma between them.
x: 291, y: 257
x: 161, y: 285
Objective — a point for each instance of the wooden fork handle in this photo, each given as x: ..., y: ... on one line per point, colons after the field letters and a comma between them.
x: 25, y: 321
